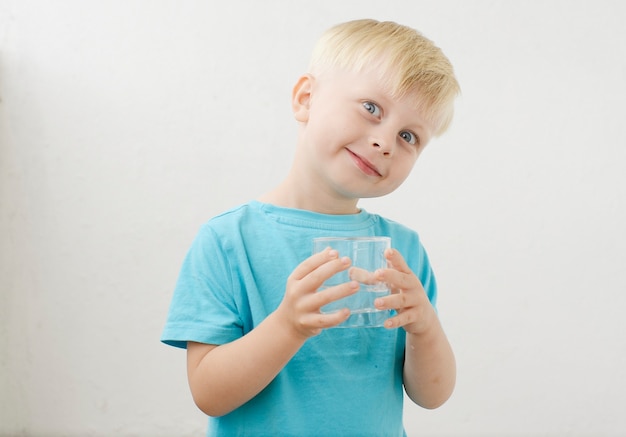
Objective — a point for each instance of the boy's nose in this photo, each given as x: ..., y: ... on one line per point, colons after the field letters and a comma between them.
x: 383, y: 147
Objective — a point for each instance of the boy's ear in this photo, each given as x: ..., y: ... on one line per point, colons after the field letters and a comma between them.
x: 301, y: 97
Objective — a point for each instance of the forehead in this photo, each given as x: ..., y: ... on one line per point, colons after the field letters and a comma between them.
x: 375, y: 83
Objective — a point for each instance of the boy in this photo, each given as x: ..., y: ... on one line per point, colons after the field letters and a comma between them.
x: 260, y: 358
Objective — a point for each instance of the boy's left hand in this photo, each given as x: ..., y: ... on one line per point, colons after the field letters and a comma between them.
x: 408, y: 298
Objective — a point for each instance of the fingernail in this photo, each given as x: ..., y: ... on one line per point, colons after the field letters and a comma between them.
x: 333, y: 253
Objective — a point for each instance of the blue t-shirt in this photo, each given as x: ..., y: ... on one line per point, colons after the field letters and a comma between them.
x: 342, y: 382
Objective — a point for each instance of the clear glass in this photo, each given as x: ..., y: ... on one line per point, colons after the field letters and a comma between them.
x: 367, y: 255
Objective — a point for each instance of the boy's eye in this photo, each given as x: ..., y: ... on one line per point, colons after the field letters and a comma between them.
x: 409, y: 137
x: 372, y: 108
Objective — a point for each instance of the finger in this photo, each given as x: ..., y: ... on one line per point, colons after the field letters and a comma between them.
x: 313, y: 262
x: 396, y: 280
x: 396, y: 301
x: 412, y: 320
x: 332, y: 294
x: 327, y: 320
x: 396, y: 261
x: 393, y: 322
x: 322, y: 273
x: 398, y: 276
x: 363, y: 276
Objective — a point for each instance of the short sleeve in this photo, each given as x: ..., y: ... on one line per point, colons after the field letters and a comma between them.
x: 426, y: 276
x: 203, y: 307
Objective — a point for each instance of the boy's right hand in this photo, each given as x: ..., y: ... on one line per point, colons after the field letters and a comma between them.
x: 224, y: 377
x: 300, y: 307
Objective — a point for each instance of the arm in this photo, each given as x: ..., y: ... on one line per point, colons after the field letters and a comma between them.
x: 429, y: 364
x: 224, y: 377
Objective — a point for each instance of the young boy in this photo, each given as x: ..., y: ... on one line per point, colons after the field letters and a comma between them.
x: 261, y: 360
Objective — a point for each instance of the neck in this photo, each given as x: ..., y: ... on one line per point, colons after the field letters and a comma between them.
x: 295, y: 192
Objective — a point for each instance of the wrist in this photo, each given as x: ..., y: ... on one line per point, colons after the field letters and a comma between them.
x: 285, y: 328
x: 427, y: 327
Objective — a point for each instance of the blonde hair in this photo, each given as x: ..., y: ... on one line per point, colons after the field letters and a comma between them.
x: 407, y: 61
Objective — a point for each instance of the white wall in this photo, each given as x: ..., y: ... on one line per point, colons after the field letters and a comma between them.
x: 126, y: 124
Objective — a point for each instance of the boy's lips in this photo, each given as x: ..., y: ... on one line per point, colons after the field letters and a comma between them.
x: 363, y: 164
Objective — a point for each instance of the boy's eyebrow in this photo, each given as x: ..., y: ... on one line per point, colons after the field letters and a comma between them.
x: 424, y: 129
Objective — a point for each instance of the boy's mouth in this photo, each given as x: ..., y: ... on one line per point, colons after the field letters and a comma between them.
x: 363, y: 164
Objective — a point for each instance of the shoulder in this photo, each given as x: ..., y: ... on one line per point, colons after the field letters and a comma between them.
x: 232, y: 218
x: 405, y: 239
x: 233, y: 214
x: 393, y: 228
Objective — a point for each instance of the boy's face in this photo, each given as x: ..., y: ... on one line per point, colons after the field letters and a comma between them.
x: 359, y: 141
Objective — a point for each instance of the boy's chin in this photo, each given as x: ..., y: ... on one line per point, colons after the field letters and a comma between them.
x: 374, y: 195
x: 371, y: 194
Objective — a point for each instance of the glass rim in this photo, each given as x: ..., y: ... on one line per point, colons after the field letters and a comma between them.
x: 372, y: 238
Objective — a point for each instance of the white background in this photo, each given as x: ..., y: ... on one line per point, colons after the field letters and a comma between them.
x: 124, y: 125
